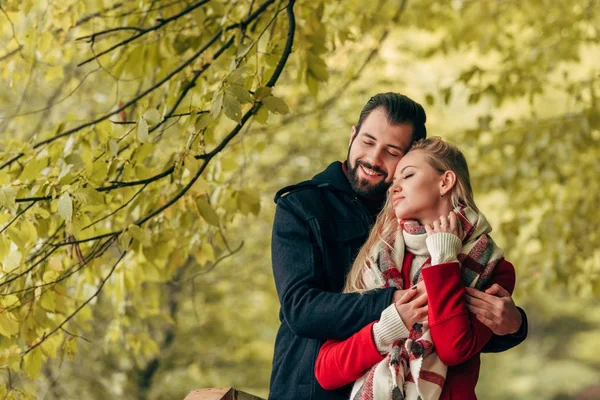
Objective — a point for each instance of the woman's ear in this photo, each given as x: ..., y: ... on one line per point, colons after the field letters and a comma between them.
x: 447, y: 182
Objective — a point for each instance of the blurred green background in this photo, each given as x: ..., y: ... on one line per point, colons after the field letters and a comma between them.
x: 514, y: 84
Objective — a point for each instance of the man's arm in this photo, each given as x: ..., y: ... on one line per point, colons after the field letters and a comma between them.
x: 496, y: 309
x: 299, y: 275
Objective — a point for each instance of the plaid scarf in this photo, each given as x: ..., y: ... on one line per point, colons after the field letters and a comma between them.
x: 412, y: 370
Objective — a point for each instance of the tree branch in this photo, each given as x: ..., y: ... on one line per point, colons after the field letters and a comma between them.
x: 143, y: 31
x: 149, y: 90
x: 10, y: 53
x: 280, y: 65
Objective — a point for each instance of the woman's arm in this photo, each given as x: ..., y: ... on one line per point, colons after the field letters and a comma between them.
x: 341, y: 362
x: 457, y: 334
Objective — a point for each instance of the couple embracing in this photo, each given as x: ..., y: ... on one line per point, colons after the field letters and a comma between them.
x: 389, y: 282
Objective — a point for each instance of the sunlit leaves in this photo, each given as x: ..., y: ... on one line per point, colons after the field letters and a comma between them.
x: 206, y: 210
x: 65, y: 207
x: 142, y: 131
x: 7, y: 196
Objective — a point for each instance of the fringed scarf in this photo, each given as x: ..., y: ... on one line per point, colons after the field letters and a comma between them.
x: 412, y: 369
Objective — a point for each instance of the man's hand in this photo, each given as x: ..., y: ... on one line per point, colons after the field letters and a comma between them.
x: 495, y: 308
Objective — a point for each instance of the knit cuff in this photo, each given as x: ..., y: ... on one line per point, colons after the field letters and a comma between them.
x: 443, y: 247
x: 388, y: 329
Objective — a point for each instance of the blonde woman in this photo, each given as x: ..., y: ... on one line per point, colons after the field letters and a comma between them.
x: 430, y: 237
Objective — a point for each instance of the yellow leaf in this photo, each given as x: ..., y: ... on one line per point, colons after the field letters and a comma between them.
x: 9, y: 326
x: 142, y: 235
x: 142, y: 131
x: 50, y: 346
x: 65, y: 207
x: 152, y: 116
x: 48, y: 301
x: 218, y: 104
x: 32, y: 362
x: 248, y: 201
x: 207, y: 211
x: 262, y: 115
x: 13, y: 259
x: 7, y: 196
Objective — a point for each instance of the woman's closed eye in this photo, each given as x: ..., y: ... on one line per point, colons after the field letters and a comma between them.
x: 407, y: 176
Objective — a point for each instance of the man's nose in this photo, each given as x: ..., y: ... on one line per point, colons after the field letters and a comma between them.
x: 375, y: 157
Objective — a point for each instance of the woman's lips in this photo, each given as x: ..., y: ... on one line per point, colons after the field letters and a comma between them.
x: 395, y: 200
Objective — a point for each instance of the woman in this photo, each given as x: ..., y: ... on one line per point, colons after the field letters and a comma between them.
x: 430, y: 239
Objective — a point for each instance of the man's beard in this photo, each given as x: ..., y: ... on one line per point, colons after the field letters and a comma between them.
x: 362, y: 186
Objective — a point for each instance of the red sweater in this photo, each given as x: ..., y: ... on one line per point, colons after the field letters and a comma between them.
x: 457, y: 334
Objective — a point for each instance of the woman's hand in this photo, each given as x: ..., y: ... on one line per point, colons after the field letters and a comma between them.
x: 412, y: 305
x: 448, y: 224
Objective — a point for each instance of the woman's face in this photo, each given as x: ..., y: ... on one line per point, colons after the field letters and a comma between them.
x: 416, y: 189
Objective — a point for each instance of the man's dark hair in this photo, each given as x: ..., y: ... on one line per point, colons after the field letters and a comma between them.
x: 400, y: 110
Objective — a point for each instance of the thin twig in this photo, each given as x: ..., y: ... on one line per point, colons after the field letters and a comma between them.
x: 213, y: 266
x: 23, y: 211
x: 85, y: 303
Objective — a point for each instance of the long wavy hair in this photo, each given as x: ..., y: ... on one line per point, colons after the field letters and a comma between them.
x: 442, y: 156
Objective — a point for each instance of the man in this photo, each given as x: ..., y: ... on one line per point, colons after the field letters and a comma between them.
x: 319, y: 227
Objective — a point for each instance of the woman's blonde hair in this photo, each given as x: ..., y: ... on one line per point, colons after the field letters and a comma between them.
x: 442, y: 156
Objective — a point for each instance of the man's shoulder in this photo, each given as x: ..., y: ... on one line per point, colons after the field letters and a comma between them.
x: 307, y: 199
x: 331, y: 179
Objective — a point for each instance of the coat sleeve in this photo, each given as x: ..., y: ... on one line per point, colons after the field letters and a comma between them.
x: 456, y: 333
x: 308, y: 309
x: 341, y: 362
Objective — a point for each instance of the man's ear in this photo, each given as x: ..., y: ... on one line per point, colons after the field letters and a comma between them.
x: 447, y: 182
x: 353, y: 135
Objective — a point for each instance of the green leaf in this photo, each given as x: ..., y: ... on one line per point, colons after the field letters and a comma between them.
x: 65, y: 207
x: 240, y: 93
x: 217, y: 105
x: 248, y: 202
x: 205, y: 253
x: 262, y: 92
x: 262, y: 115
x: 207, y: 211
x: 7, y: 196
x: 32, y: 362
x: 142, y: 131
x: 232, y: 107
x: 9, y: 326
x: 48, y: 301
x: 152, y: 116
x: 312, y: 84
x: 263, y: 42
x: 202, y: 121
x: 142, y: 235
x: 33, y: 168
x: 317, y: 67
x: 276, y: 105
